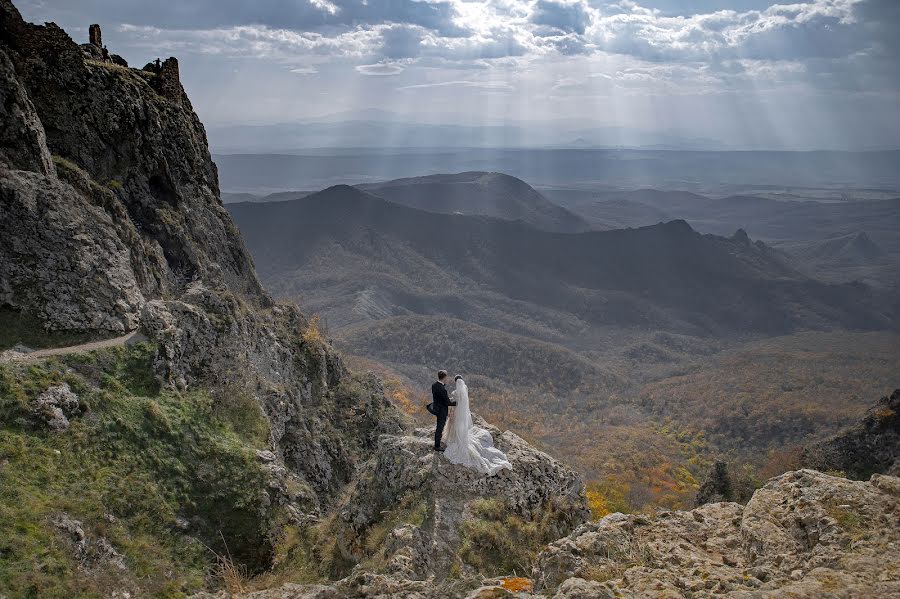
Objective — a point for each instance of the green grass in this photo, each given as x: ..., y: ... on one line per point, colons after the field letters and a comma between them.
x: 139, y: 458
x: 497, y: 542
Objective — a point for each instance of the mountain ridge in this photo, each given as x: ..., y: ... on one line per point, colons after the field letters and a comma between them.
x: 480, y: 193
x: 654, y: 265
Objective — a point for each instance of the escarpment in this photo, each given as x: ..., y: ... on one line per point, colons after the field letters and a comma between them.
x: 111, y: 221
x: 100, y: 151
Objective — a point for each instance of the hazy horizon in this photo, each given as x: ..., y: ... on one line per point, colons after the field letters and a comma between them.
x: 699, y: 74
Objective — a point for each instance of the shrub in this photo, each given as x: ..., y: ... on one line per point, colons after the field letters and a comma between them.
x: 496, y: 541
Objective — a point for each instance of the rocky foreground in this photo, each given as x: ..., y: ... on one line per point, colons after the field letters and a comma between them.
x: 804, y: 534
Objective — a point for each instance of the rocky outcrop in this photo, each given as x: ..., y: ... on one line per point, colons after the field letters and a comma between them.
x: 129, y: 212
x: 419, y: 509
x: 55, y: 406
x: 871, y: 446
x: 89, y: 551
x: 406, y: 471
x: 803, y: 534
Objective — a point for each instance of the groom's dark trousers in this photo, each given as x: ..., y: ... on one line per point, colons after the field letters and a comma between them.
x: 442, y: 405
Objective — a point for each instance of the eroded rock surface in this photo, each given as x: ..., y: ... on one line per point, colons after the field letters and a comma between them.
x: 406, y: 469
x: 55, y: 406
x: 868, y: 447
x: 804, y: 533
x: 128, y: 207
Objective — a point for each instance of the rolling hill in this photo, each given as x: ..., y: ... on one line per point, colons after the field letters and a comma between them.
x: 479, y: 193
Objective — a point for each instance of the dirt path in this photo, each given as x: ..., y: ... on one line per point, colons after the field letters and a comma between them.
x: 39, y: 354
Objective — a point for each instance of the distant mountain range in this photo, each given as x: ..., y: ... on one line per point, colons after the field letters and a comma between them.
x: 359, y: 257
x: 577, y: 168
x: 474, y: 193
x: 384, y: 129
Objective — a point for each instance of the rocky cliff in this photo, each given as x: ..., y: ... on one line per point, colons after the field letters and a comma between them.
x: 110, y: 195
x: 868, y: 447
x: 803, y: 534
x: 111, y: 222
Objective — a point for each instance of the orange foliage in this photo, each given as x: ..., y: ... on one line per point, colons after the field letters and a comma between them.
x: 312, y: 335
x: 515, y: 584
x: 597, y: 503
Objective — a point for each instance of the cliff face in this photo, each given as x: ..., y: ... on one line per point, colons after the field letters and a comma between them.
x: 131, y: 210
x: 110, y: 221
x: 868, y: 447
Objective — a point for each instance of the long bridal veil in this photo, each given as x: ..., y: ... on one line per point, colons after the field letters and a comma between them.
x: 470, y: 445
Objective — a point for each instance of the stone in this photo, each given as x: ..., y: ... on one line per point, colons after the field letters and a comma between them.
x: 264, y: 455
x: 90, y: 552
x: 578, y: 588
x: 802, y: 534
x: 868, y: 447
x: 55, y: 406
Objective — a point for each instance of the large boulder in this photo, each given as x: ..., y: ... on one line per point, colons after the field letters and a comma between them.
x: 804, y: 534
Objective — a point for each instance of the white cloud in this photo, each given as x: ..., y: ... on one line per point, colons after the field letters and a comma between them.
x: 830, y: 44
x: 379, y: 69
x: 486, y: 85
x: 304, y: 70
x: 326, y: 6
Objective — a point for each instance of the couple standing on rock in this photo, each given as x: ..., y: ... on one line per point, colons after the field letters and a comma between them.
x: 468, y: 445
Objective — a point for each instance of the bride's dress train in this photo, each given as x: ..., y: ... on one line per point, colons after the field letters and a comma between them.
x: 469, y: 445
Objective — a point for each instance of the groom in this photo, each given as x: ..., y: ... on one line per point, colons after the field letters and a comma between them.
x: 442, y: 405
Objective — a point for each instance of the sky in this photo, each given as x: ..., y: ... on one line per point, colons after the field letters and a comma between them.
x: 822, y: 74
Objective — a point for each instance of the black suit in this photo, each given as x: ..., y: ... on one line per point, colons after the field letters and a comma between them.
x: 442, y: 405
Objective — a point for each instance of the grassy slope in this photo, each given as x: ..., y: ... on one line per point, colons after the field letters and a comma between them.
x: 134, y: 462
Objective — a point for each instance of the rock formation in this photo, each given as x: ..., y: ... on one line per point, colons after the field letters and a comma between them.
x: 804, y: 534
x: 871, y: 446
x: 406, y: 471
x: 108, y: 228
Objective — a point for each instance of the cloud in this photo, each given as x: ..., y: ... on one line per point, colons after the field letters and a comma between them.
x: 304, y: 70
x: 326, y: 6
x: 380, y: 69
x: 566, y: 16
x: 832, y: 44
x: 780, y: 32
x: 486, y: 85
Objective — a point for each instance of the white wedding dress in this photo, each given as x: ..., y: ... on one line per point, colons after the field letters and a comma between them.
x: 469, y: 445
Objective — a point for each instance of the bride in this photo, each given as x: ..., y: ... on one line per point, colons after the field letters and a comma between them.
x: 470, y: 445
